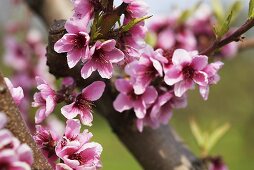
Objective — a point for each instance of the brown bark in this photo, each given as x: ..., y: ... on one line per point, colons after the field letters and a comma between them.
x: 18, y: 127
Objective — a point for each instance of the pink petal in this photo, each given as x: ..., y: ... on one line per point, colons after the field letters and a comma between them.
x: 122, y: 103
x: 181, y: 87
x: 86, y: 118
x: 150, y: 95
x: 40, y: 115
x: 69, y: 111
x: 108, y: 45
x: 72, y: 129
x: 173, y: 76
x: 65, y: 44
x: 115, y: 55
x: 87, y: 70
x: 94, y: 91
x: 166, y: 39
x: 123, y: 86
x: 199, y: 62
x: 76, y: 25
x: 74, y: 56
x: 157, y: 65
x: 25, y: 154
x: 204, y: 91
x: 140, y: 124
x: 62, y: 166
x: 201, y: 78
x: 3, y: 120
x: 181, y: 57
x: 105, y: 70
x: 139, y: 109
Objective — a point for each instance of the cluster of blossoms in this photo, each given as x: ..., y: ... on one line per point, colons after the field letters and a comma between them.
x: 196, y: 33
x: 155, y: 80
x: 13, y: 154
x: 72, y: 148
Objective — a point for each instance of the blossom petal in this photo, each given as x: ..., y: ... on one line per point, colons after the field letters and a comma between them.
x: 201, y: 78
x: 150, y: 95
x: 173, y: 76
x: 199, y: 62
x: 181, y: 57
x: 94, y: 91
x: 123, y: 86
x: 87, y: 70
x: 122, y: 103
x: 69, y: 111
x: 74, y: 56
x: 181, y: 87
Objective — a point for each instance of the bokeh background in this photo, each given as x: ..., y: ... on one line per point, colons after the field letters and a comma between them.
x: 232, y: 101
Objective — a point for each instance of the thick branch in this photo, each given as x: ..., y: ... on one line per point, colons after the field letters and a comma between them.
x: 154, y: 149
x: 235, y: 36
x: 18, y: 127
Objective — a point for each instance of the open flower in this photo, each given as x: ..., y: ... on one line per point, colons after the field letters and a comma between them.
x: 83, y: 103
x: 102, y: 57
x: 127, y: 99
x: 76, y: 151
x: 145, y: 70
x: 75, y: 42
x: 45, y: 99
x: 47, y: 139
x: 136, y: 8
x: 83, y: 8
x: 186, y: 70
x: 16, y: 93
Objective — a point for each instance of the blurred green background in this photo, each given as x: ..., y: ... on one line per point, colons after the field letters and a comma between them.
x: 232, y: 101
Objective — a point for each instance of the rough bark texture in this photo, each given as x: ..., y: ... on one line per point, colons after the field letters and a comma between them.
x: 18, y: 127
x: 154, y: 149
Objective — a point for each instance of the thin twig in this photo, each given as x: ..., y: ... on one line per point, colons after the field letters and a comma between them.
x: 235, y: 36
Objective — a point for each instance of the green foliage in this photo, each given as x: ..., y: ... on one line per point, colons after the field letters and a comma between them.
x: 133, y: 22
x: 223, y: 25
x: 205, y: 140
x: 251, y: 9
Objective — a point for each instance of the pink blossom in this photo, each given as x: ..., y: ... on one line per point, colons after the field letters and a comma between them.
x: 75, y: 42
x: 47, y: 139
x: 136, y: 8
x: 16, y: 93
x: 16, y: 52
x: 14, y: 155
x: 83, y: 8
x: 229, y: 50
x: 102, y: 57
x: 127, y: 99
x: 186, y: 71
x: 212, y: 71
x: 145, y: 70
x: 76, y: 151
x: 83, y: 103
x: 45, y: 99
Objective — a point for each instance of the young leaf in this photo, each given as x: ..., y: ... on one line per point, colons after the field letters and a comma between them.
x: 196, y: 131
x: 218, y: 10
x: 236, y: 8
x: 132, y: 23
x: 221, y: 30
x: 216, y: 136
x: 251, y: 9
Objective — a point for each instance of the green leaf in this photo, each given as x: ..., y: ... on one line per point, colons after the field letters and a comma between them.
x: 132, y: 23
x: 222, y: 27
x: 216, y: 136
x: 196, y: 131
x: 251, y: 9
x: 218, y: 10
x: 221, y: 30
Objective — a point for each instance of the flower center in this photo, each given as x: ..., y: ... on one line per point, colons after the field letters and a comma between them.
x: 80, y: 41
x: 78, y: 157
x: 82, y: 103
x: 99, y: 57
x: 188, y: 72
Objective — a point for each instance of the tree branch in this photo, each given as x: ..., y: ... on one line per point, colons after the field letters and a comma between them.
x: 18, y: 127
x: 235, y: 36
x: 154, y: 149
